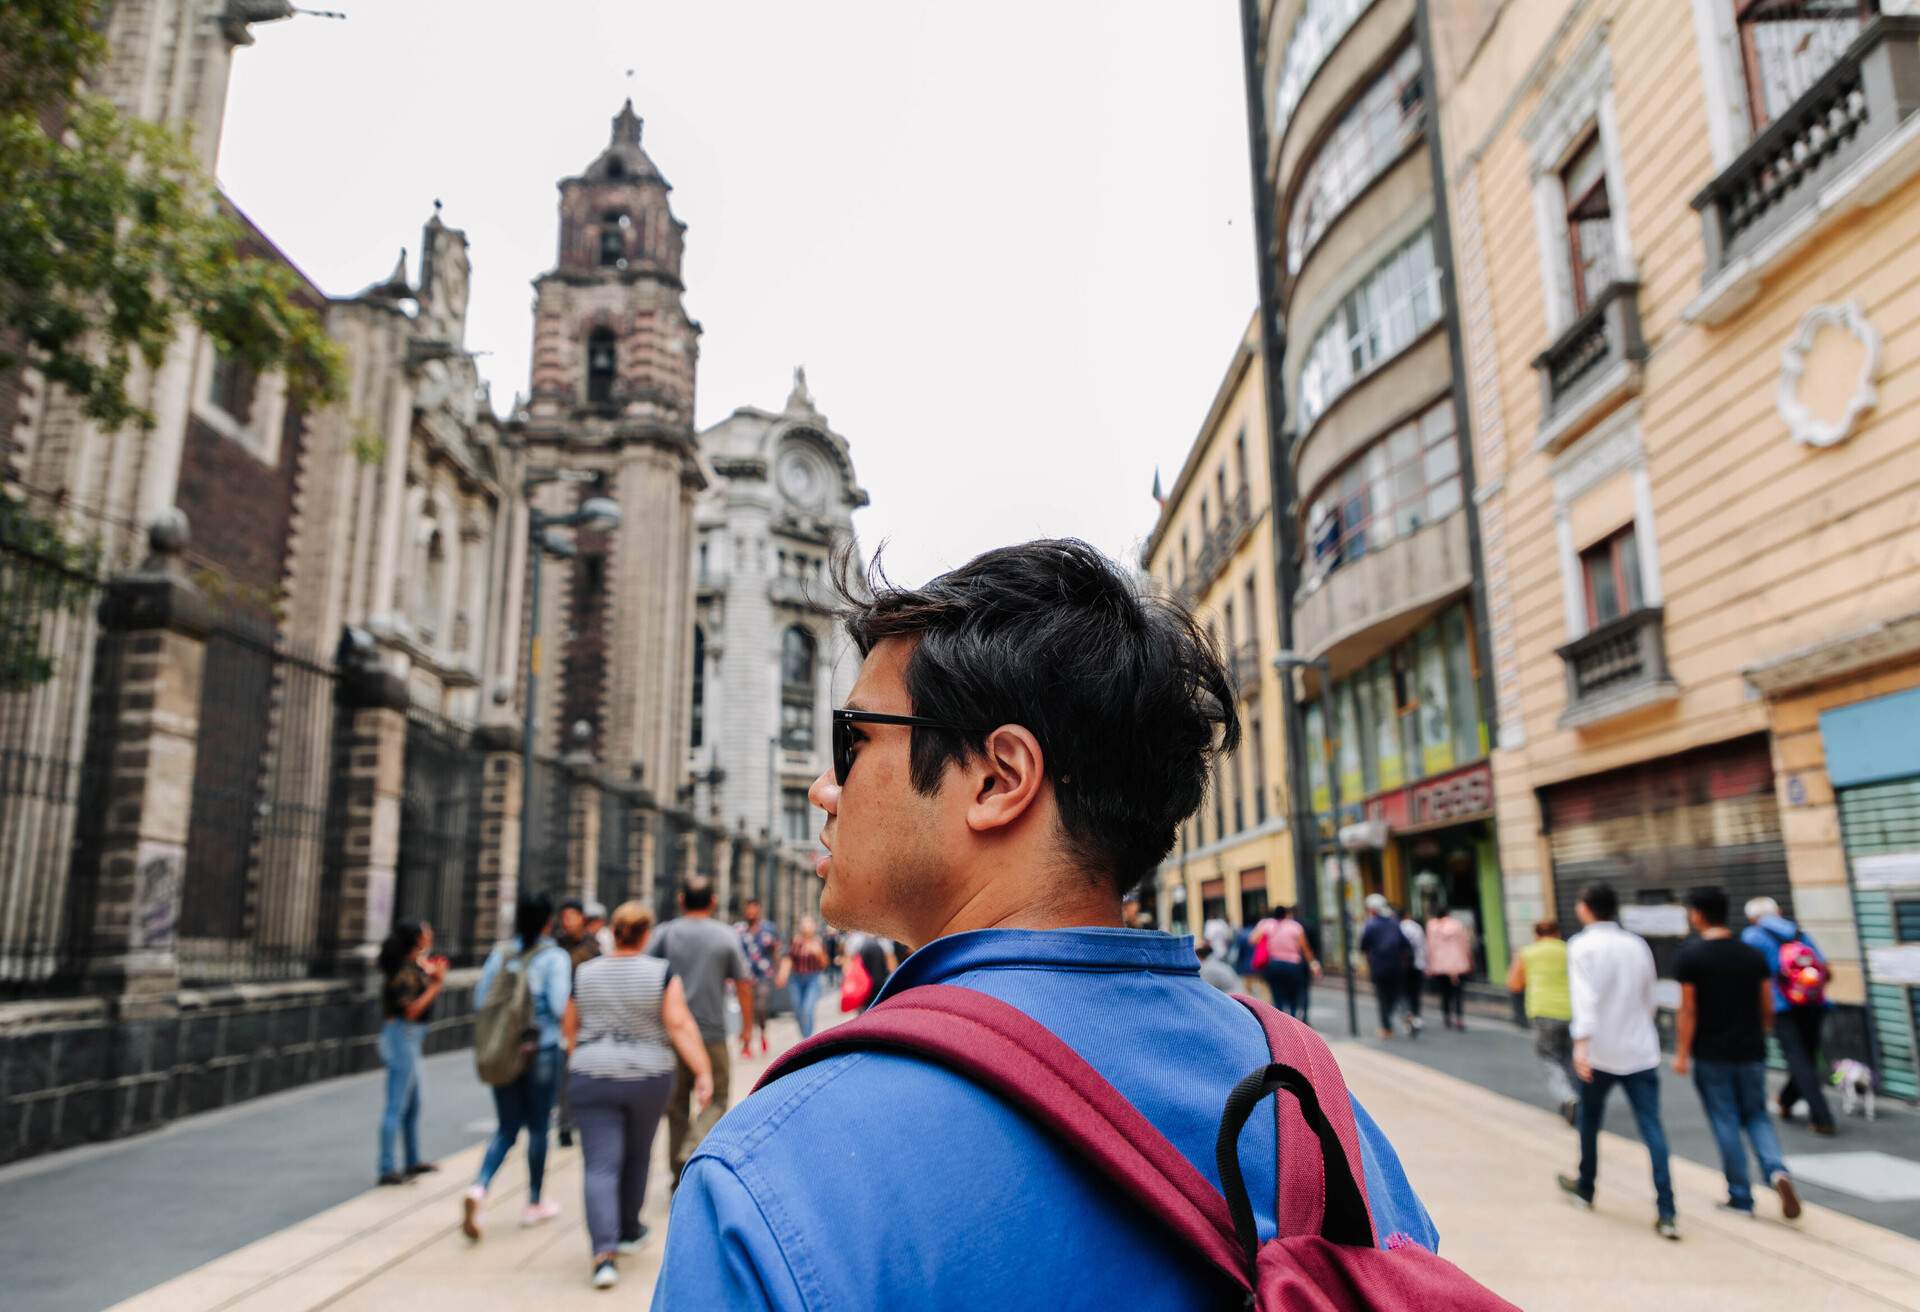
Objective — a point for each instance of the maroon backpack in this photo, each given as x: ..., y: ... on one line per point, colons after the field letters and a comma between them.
x: 1324, y: 1258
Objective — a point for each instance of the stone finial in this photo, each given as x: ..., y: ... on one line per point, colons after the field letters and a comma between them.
x: 166, y: 540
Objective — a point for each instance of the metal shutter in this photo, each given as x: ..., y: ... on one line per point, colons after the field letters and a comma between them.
x: 1884, y: 820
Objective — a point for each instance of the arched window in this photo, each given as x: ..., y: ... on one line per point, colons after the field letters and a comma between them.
x: 796, y: 659
x: 613, y: 239
x: 602, y: 358
x: 699, y: 686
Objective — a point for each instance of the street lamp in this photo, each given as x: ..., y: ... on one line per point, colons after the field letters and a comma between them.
x: 1285, y: 662
x: 594, y: 512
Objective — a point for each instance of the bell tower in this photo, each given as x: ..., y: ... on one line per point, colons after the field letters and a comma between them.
x: 614, y: 357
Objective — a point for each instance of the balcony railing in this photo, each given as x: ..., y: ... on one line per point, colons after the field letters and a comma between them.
x: 1217, y: 544
x: 1861, y: 100
x: 1619, y: 666
x: 1591, y: 348
x: 1246, y: 670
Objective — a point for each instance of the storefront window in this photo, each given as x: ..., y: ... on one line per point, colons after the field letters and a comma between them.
x: 1317, y: 760
x: 1382, y: 724
x: 1436, y: 731
x: 1462, y: 687
x: 1347, y: 744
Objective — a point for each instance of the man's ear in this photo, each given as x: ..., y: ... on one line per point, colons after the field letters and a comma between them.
x: 1006, y: 778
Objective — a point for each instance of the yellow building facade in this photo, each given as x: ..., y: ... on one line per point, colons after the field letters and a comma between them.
x: 1212, y: 548
x: 1686, y: 244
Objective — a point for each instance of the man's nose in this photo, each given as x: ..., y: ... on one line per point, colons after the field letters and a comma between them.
x: 825, y: 793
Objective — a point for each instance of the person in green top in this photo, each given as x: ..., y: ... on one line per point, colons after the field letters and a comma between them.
x: 1540, y: 971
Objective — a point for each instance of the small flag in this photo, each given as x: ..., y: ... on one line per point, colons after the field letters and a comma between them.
x: 1158, y: 495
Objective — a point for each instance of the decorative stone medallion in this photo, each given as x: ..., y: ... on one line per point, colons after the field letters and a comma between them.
x: 1807, y: 427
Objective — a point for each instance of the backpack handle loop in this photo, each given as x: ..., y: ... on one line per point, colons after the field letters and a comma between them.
x: 1346, y: 1220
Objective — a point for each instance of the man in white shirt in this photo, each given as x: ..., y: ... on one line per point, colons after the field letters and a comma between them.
x: 1611, y: 976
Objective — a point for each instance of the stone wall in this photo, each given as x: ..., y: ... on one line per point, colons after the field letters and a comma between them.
x: 72, y: 1073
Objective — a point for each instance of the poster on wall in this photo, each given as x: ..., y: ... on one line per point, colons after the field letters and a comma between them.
x: 1660, y: 920
x: 1887, y: 870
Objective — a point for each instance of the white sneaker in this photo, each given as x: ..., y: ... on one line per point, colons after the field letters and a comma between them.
x: 537, y: 1213
x: 605, y: 1276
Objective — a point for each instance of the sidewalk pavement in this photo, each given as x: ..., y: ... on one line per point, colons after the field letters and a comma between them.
x: 1484, y: 1164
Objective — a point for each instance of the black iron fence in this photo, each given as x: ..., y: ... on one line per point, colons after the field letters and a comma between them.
x: 437, y: 877
x: 257, y: 832
x: 49, y: 646
x: 549, y: 826
x: 614, y: 877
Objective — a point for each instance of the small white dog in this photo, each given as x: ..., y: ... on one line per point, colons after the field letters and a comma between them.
x: 1855, y: 1079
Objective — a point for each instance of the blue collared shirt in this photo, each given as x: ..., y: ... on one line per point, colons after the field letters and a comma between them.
x: 873, y: 1178
x: 551, y: 983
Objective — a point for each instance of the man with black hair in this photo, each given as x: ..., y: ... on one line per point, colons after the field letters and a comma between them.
x: 1025, y: 737
x: 705, y: 956
x: 1610, y: 974
x: 1726, y: 1008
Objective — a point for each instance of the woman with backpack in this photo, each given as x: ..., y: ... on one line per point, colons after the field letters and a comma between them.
x: 624, y: 1023
x: 1282, y: 957
x: 534, y: 978
x: 412, y: 979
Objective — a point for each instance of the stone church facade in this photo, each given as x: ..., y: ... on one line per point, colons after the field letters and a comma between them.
x: 281, y: 709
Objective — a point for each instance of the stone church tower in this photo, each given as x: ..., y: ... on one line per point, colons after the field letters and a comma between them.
x: 614, y: 354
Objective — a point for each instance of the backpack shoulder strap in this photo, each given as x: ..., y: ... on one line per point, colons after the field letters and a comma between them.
x: 1002, y: 1049
x: 1300, y: 1206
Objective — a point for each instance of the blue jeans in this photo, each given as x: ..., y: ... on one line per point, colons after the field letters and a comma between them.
x: 527, y: 1104
x: 805, y: 992
x: 1734, y: 1094
x: 1287, y: 981
x: 1643, y: 1093
x: 400, y: 1050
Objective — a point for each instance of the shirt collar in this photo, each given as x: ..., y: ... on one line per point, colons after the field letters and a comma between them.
x: 1084, y: 948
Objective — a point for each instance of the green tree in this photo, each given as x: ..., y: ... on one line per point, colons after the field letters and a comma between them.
x: 41, y: 575
x: 111, y: 236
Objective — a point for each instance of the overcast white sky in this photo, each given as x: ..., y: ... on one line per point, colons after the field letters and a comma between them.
x: 1008, y: 238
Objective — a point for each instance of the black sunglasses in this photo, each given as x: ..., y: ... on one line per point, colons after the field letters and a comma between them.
x: 844, y: 720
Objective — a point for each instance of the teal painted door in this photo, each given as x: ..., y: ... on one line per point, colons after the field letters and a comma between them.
x: 1880, y: 824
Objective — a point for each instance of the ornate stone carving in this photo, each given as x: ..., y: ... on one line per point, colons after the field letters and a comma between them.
x: 1808, y: 428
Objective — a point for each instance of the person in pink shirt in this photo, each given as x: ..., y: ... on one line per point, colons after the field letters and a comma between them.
x: 1450, y: 961
x: 1286, y: 962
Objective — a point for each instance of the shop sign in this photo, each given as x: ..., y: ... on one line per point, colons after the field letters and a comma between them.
x: 1894, y: 965
x: 1887, y: 870
x: 1464, y: 795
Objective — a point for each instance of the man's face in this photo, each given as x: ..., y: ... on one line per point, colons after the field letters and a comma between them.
x: 889, y: 848
x: 572, y: 922
x: 752, y: 913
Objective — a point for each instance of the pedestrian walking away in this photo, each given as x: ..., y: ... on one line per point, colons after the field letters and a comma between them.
x: 1800, y: 1007
x: 1023, y: 740
x: 804, y: 966
x: 1726, y: 1008
x: 626, y: 1025
x: 706, y: 958
x: 1611, y: 976
x: 1283, y: 959
x: 413, y: 978
x: 530, y: 960
x: 766, y: 957
x: 1416, y: 936
x: 1539, y: 975
x: 1449, y: 962
x: 1215, y: 971
x: 573, y: 933
x: 1389, y: 957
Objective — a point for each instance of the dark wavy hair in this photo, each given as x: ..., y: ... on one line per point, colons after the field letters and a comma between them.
x: 400, y: 943
x: 531, y: 916
x: 1128, y: 698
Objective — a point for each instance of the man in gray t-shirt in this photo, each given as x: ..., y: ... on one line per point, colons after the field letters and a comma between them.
x: 705, y: 955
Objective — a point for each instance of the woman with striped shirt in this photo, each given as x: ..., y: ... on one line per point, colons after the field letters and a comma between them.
x: 627, y: 1018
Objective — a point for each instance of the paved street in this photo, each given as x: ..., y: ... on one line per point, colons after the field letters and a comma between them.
x: 276, y: 1215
